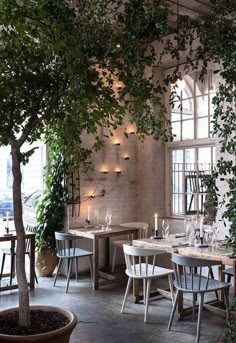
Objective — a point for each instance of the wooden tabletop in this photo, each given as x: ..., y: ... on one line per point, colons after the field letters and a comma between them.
x: 94, y: 232
x: 180, y: 245
x: 12, y: 236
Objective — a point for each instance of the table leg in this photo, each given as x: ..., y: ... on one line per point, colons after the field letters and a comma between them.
x: 32, y: 261
x: 95, y: 262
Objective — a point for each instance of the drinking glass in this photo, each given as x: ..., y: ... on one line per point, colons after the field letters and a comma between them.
x: 165, y: 228
x: 108, y: 219
x: 187, y: 225
x: 215, y: 233
x: 96, y: 215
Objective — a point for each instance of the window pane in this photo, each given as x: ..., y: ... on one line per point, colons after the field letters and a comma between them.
x: 175, y: 116
x: 188, y: 129
x: 202, y: 128
x: 176, y: 130
x: 189, y: 159
x: 187, y: 109
x: 201, y: 86
x: 204, y: 155
x: 202, y: 106
x: 188, y: 91
x: 177, y: 156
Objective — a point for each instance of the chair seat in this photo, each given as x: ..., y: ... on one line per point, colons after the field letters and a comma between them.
x: 229, y: 271
x: 188, y: 287
x: 73, y: 252
x: 120, y: 242
x: 144, y: 271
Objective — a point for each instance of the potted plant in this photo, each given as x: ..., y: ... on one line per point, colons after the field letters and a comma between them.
x: 60, y: 62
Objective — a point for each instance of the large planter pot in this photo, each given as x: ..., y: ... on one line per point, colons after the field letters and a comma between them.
x: 45, y: 261
x: 61, y: 335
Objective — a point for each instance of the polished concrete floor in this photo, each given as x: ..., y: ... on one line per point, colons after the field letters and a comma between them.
x: 100, y: 321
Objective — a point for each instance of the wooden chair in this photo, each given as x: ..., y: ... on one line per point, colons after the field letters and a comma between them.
x: 194, y: 186
x: 66, y: 250
x: 229, y: 272
x: 12, y: 253
x: 147, y: 270
x: 188, y: 281
x: 143, y: 231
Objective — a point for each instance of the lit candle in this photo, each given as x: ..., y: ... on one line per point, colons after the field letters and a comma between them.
x: 201, y: 228
x: 156, y: 226
x: 7, y: 215
x: 88, y: 213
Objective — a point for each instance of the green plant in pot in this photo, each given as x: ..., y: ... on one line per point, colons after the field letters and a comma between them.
x: 50, y: 213
x: 60, y: 62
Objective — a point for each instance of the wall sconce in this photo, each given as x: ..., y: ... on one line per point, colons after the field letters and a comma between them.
x: 118, y: 172
x: 117, y: 143
x: 132, y: 132
x: 126, y: 157
x: 118, y: 45
x: 104, y: 171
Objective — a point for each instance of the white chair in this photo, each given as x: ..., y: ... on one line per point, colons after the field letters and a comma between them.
x: 147, y: 270
x: 143, y: 231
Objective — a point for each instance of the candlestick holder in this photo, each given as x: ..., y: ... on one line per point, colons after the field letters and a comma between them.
x: 7, y: 230
x: 88, y: 221
x: 156, y: 235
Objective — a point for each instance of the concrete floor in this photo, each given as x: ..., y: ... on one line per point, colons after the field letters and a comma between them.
x: 99, y: 318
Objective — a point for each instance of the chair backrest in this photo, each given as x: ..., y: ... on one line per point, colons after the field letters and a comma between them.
x: 134, y: 257
x: 28, y: 229
x: 143, y: 228
x: 65, y: 243
x: 188, y: 272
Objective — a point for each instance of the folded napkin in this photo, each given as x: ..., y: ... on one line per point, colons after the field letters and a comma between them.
x: 180, y: 244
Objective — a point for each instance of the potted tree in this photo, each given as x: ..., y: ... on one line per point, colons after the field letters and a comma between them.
x: 60, y: 62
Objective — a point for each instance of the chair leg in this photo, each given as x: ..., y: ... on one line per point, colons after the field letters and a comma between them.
x: 58, y: 268
x: 12, y: 267
x: 147, y: 299
x: 194, y: 306
x: 3, y: 263
x: 228, y: 278
x: 91, y: 267
x: 199, y: 317
x: 144, y: 291
x: 171, y: 287
x: 126, y: 294
x: 76, y: 269
x: 173, y: 309
x: 68, y: 274
x: 113, y: 259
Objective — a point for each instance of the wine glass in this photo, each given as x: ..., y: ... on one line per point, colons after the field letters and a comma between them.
x: 165, y: 228
x: 215, y: 233
x: 108, y: 219
x: 187, y: 225
x: 96, y: 215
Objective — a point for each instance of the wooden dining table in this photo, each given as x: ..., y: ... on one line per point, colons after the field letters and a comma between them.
x: 12, y: 238
x: 180, y: 245
x: 102, y: 278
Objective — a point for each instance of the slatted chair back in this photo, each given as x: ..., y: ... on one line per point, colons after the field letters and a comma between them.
x: 65, y: 244
x: 138, y: 260
x: 143, y: 228
x: 188, y: 273
x: 28, y: 229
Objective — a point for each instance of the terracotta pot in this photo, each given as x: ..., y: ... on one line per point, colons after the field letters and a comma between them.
x: 45, y: 261
x: 58, y: 336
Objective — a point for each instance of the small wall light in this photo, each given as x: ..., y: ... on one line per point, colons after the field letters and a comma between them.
x: 118, y: 172
x: 105, y: 171
x: 117, y: 143
x: 118, y: 45
x: 131, y: 132
x: 126, y: 157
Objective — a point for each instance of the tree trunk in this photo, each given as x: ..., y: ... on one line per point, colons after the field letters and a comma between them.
x: 24, y: 314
